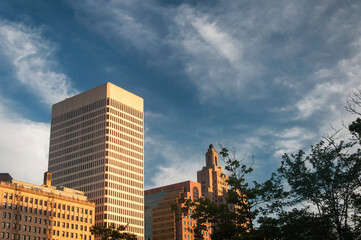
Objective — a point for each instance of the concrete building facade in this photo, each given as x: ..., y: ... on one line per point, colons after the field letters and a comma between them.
x: 164, y: 222
x: 212, y: 179
x: 32, y: 212
x: 96, y: 146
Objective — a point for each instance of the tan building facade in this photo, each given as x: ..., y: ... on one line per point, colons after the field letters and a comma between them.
x: 96, y: 146
x: 212, y: 179
x: 162, y: 221
x: 32, y: 212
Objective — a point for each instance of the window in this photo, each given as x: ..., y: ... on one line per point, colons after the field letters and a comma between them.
x: 195, y: 193
x: 5, y: 195
x: 10, y: 196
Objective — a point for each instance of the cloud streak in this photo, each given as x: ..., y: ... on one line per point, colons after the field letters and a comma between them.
x: 32, y: 59
x: 24, y: 143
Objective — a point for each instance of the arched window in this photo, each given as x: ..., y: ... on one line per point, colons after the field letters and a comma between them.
x: 195, y: 193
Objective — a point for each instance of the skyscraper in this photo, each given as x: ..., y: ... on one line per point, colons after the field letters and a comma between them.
x: 212, y: 179
x: 96, y: 146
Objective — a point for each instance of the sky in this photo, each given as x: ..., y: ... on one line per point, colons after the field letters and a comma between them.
x: 262, y: 77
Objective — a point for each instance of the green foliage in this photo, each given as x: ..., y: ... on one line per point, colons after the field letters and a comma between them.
x: 111, y: 233
x: 295, y: 224
x: 322, y: 187
x: 355, y: 129
x: 326, y: 181
x: 233, y: 219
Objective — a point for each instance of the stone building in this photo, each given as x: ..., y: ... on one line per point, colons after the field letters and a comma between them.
x: 33, y: 212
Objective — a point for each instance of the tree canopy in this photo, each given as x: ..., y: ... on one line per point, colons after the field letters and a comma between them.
x: 314, y: 194
x: 112, y: 233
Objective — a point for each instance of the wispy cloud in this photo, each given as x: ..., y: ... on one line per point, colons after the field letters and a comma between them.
x: 24, y: 143
x: 120, y: 22
x: 31, y: 57
x: 291, y: 140
x: 333, y: 85
x: 172, y: 161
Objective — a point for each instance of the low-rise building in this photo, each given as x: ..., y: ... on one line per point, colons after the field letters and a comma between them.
x: 33, y: 212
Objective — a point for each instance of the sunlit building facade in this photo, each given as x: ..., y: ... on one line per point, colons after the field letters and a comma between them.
x: 96, y: 146
x: 33, y: 212
x: 163, y: 219
x: 212, y: 179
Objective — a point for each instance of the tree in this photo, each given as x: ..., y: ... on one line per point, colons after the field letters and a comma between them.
x: 111, y: 233
x: 234, y: 219
x: 327, y: 180
x: 295, y: 224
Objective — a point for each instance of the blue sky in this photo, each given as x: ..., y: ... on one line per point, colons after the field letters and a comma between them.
x: 264, y: 77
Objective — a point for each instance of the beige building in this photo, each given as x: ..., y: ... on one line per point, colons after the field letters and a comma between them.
x: 163, y: 222
x: 32, y: 212
x: 212, y: 179
x: 96, y: 146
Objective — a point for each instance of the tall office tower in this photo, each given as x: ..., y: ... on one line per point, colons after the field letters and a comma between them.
x: 162, y: 221
x: 96, y: 146
x: 212, y: 179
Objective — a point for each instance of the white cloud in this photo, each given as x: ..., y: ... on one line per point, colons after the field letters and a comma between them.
x: 24, y: 143
x: 224, y: 44
x: 178, y: 163
x: 332, y: 87
x: 24, y: 147
x: 31, y: 58
x: 290, y: 140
